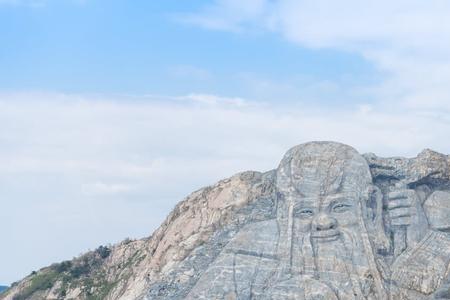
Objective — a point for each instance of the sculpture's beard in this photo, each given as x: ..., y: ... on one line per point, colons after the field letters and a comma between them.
x: 338, y: 260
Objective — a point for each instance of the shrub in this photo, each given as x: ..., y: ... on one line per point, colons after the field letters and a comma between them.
x: 79, y: 270
x: 63, y: 267
x: 103, y: 251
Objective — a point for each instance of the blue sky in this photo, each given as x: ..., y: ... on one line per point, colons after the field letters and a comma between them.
x: 113, y: 111
x: 145, y: 47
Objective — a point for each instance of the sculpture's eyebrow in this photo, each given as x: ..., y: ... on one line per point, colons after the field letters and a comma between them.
x: 338, y: 198
x: 307, y: 202
x: 345, y: 195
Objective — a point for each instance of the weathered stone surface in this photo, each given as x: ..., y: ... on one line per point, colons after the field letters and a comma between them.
x: 328, y: 223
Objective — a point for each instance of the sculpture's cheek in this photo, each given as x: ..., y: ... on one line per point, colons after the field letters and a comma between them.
x: 302, y: 225
x: 347, y: 219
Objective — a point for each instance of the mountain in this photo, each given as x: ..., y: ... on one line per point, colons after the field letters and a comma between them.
x: 328, y: 223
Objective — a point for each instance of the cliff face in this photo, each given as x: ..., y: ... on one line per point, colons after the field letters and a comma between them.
x: 327, y: 222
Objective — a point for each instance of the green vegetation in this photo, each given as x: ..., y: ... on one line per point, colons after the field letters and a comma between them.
x: 63, y: 267
x: 85, y: 272
x: 103, y: 251
x: 39, y: 282
x: 79, y: 270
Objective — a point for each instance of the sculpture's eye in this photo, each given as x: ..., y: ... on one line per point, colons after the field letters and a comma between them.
x: 341, y: 207
x: 305, y: 212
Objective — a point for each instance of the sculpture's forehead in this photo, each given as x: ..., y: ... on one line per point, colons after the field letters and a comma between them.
x: 320, y: 176
x: 326, y: 200
x: 322, y: 168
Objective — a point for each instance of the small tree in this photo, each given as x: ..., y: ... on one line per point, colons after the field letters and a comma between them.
x: 103, y: 251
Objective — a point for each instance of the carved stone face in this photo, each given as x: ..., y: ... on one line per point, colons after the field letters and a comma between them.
x: 325, y: 184
x: 324, y: 215
x: 323, y: 189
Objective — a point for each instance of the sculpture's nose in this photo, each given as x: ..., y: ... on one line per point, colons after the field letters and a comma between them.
x: 324, y: 222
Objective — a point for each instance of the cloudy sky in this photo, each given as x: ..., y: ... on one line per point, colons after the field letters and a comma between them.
x: 113, y: 111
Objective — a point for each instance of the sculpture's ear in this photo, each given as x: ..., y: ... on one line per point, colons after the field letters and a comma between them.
x: 374, y: 218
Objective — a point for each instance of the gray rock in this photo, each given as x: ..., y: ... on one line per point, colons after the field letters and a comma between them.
x: 437, y: 209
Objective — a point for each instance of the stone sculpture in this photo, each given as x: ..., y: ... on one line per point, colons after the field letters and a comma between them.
x: 320, y: 237
x: 337, y: 234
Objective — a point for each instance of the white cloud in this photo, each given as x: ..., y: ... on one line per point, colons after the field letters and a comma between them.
x: 230, y: 15
x: 406, y: 40
x: 215, y: 100
x: 77, y: 171
x: 190, y: 72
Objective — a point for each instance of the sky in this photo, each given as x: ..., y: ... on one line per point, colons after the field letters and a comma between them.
x: 113, y: 111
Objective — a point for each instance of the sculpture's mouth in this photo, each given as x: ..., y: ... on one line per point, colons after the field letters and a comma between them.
x: 326, y: 235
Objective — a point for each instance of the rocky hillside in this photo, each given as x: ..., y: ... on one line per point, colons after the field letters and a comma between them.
x: 125, y: 270
x: 243, y: 222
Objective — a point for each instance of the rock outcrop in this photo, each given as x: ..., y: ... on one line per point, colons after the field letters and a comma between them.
x: 328, y: 223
